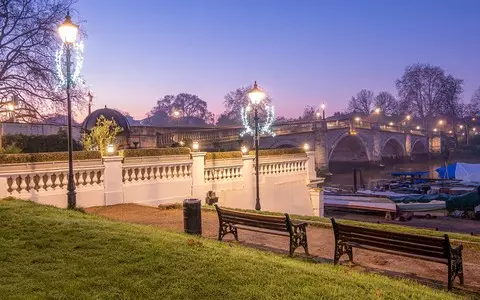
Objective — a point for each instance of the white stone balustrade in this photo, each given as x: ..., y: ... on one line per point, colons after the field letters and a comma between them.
x: 155, y: 172
x: 282, y: 165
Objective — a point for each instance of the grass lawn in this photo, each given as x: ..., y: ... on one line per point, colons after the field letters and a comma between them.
x: 49, y: 253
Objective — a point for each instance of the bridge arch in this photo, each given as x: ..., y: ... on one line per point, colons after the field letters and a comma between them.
x: 349, y: 147
x: 419, y: 147
x: 393, y: 148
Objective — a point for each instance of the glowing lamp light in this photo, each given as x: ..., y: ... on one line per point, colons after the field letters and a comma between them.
x: 176, y: 114
x: 11, y: 107
x: 357, y: 119
x: 353, y: 132
x: 244, y: 150
x: 434, y: 129
x: 440, y: 122
x: 450, y: 131
x: 256, y: 95
x: 474, y: 129
x: 391, y: 124
x: 306, y: 147
x: 322, y: 106
x: 110, y: 149
x: 418, y: 127
x: 377, y: 110
x: 68, y: 31
x: 461, y: 126
x: 249, y: 108
x: 195, y: 146
x: 473, y: 119
x: 408, y: 117
x: 318, y: 114
x: 182, y: 143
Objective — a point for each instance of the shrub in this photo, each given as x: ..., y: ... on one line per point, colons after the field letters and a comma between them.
x: 223, y: 155
x: 154, y: 152
x: 10, y: 149
x: 103, y: 134
x: 47, y: 156
x: 40, y: 143
x: 268, y: 152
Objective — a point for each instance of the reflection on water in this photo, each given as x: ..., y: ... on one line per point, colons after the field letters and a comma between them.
x: 343, y: 173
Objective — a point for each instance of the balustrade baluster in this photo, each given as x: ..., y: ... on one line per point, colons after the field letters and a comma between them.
x: 14, y: 185
x: 164, y: 172
x: 23, y: 184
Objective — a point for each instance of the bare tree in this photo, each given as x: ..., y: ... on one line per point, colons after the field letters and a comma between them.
x: 28, y: 42
x: 386, y: 103
x: 236, y: 100
x: 421, y: 90
x: 362, y: 102
x: 473, y: 108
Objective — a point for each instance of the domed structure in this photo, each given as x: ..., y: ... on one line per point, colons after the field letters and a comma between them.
x: 91, y: 120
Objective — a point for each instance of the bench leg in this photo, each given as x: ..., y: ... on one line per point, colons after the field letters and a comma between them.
x: 456, y: 267
x: 298, y: 238
x: 225, y: 229
x: 340, y: 250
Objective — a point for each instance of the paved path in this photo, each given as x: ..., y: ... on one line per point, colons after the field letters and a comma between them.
x: 320, y: 241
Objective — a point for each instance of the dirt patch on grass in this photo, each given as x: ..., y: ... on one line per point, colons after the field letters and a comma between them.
x: 320, y: 240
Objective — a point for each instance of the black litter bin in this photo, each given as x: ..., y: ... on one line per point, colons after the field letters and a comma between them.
x: 192, y: 216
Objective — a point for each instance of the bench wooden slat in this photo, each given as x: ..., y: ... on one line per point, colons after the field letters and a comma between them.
x: 244, y: 218
x: 433, y: 241
x: 434, y: 259
x: 277, y: 227
x: 273, y: 219
x: 396, y: 248
x: 261, y: 230
x: 381, y: 239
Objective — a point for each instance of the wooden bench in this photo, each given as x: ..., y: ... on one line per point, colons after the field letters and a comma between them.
x: 229, y: 221
x: 416, y: 246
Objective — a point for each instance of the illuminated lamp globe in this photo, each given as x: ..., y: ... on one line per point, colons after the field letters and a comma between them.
x: 256, y: 95
x: 68, y: 31
x: 110, y: 149
x: 322, y: 106
x: 306, y: 147
x: 391, y: 124
x: 408, y: 117
x: 418, y: 127
x: 435, y: 129
x: 195, y: 146
x: 357, y: 119
x: 244, y: 150
x: 377, y: 110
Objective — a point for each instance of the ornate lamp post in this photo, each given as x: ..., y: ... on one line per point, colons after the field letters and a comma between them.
x: 323, y: 110
x: 90, y: 100
x: 256, y: 96
x: 68, y: 33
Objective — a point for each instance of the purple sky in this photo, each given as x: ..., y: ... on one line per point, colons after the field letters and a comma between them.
x: 302, y: 52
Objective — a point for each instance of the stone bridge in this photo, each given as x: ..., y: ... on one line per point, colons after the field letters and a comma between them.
x: 333, y: 141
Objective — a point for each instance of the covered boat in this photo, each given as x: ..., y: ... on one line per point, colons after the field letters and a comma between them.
x: 461, y: 171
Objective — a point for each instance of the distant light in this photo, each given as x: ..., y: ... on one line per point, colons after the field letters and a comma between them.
x: 11, y: 107
x: 408, y: 117
x: 474, y: 129
x: 306, y: 147
x: 323, y: 106
x: 473, y: 119
x: 195, y: 146
x: 353, y: 132
x: 182, y: 143
x: 450, y: 131
x: 357, y: 119
x: 391, y: 123
x: 418, y: 127
x: 435, y: 129
x: 244, y: 150
x: 318, y: 114
x: 176, y: 113
x: 110, y: 149
x: 440, y: 122
x: 463, y: 133
x: 377, y: 110
x: 461, y: 126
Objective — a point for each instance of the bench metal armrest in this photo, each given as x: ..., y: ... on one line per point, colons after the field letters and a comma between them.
x: 300, y: 224
x: 456, y: 251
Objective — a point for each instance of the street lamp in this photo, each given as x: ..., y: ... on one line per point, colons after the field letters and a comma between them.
x: 323, y: 110
x: 377, y: 111
x: 68, y: 33
x: 90, y: 100
x: 11, y: 109
x: 408, y: 117
x: 318, y: 115
x: 256, y: 96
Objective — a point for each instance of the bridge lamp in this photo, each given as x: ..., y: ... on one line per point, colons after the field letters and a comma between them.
x: 256, y: 96
x: 323, y: 110
x: 418, y: 127
x: 357, y: 119
x: 408, y: 117
x: 450, y: 131
x: 434, y: 129
x: 306, y: 147
x: 440, y: 122
x: 244, y: 149
x: 195, y: 146
x: 391, y: 124
x: 68, y: 33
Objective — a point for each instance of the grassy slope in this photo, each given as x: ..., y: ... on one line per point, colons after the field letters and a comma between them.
x: 51, y: 253
x: 325, y: 222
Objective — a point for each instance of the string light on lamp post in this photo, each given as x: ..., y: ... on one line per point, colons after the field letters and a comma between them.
x: 256, y: 96
x: 68, y: 33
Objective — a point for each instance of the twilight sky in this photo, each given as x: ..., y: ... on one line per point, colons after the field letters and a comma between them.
x: 302, y: 52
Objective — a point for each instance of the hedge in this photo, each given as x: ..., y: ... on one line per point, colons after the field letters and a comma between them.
x: 154, y: 152
x: 47, y: 156
x: 281, y: 151
x: 41, y: 143
x: 223, y: 155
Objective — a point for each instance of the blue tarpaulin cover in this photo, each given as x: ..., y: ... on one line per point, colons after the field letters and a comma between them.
x: 448, y: 172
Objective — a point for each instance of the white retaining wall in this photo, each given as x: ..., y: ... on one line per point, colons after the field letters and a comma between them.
x: 171, y: 179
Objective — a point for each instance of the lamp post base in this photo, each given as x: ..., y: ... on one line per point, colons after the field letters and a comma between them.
x: 257, y: 204
x: 71, y: 199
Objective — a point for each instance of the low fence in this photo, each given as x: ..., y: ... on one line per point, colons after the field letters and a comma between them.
x: 169, y: 179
